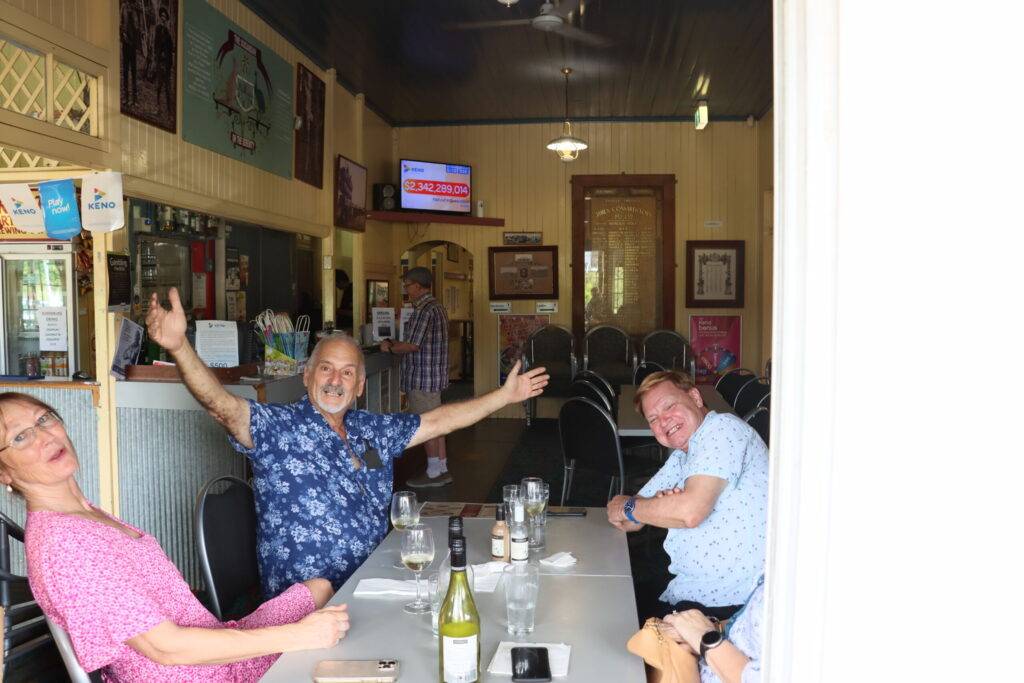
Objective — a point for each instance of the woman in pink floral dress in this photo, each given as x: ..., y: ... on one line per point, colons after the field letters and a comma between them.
x: 125, y: 606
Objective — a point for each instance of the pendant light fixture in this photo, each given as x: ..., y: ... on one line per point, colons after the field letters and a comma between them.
x: 567, y: 146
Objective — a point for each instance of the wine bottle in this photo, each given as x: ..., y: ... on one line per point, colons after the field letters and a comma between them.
x: 458, y: 625
x: 455, y: 530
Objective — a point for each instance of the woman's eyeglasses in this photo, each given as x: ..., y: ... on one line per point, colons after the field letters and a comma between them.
x: 26, y: 437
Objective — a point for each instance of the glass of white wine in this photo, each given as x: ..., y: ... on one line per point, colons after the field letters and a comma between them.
x: 405, y: 511
x: 535, y: 495
x: 417, y: 554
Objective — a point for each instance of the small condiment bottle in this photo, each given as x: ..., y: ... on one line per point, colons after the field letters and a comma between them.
x: 499, y: 535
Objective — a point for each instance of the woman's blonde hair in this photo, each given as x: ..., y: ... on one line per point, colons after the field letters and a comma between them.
x: 681, y: 381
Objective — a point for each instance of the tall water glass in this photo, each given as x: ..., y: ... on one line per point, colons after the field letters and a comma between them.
x: 509, y: 492
x: 435, y: 593
x: 522, y: 584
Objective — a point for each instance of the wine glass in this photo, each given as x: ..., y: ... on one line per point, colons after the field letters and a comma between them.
x: 405, y: 511
x: 535, y: 495
x: 417, y: 554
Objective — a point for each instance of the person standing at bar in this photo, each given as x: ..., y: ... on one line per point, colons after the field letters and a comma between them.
x: 425, y: 367
x: 322, y: 469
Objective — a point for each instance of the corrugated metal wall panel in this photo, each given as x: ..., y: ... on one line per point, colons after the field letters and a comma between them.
x: 79, y: 415
x: 164, y: 458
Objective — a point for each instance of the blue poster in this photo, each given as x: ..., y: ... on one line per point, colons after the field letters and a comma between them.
x: 236, y: 92
x: 60, y: 209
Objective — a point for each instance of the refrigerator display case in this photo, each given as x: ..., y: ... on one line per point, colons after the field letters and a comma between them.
x: 162, y: 262
x: 37, y: 320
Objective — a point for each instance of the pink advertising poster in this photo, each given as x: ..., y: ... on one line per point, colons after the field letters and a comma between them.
x: 513, y: 331
x: 715, y: 340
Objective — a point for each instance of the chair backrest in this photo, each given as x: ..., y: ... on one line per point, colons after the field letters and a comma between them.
x: 750, y: 395
x: 600, y: 382
x: 730, y: 383
x: 590, y: 438
x: 607, y: 344
x: 226, y: 544
x: 646, y: 368
x: 67, y: 653
x: 768, y: 369
x: 550, y: 343
x: 760, y: 420
x: 662, y: 347
x: 25, y: 634
x: 583, y: 388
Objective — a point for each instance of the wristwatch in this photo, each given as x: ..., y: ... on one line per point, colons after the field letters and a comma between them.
x: 627, y: 509
x: 709, y: 641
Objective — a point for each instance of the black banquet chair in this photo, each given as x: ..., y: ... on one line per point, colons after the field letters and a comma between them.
x: 554, y: 348
x: 644, y: 369
x: 601, y: 383
x: 590, y: 441
x: 608, y: 351
x: 584, y: 388
x: 760, y: 420
x: 730, y: 383
x: 226, y: 545
x: 664, y: 347
x: 751, y: 395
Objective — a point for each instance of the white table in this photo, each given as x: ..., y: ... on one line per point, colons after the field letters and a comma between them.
x: 590, y: 607
x: 632, y: 423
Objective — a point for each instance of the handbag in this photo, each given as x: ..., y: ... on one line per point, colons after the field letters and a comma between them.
x: 669, y: 662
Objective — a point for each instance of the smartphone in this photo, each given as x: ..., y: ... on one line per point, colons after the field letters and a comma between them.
x: 530, y: 665
x: 356, y: 671
x: 558, y: 511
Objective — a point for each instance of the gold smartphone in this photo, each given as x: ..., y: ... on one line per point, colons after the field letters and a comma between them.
x: 356, y: 671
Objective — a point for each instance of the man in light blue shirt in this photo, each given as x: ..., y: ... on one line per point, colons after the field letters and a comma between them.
x: 717, y: 513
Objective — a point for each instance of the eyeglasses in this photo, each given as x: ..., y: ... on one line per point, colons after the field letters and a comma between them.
x: 26, y: 437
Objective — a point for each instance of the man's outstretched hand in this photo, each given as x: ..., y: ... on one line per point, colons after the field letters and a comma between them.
x: 167, y: 328
x: 520, y: 387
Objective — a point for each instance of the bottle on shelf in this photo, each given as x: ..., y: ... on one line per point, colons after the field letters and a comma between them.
x: 458, y: 625
x: 499, y: 535
x: 519, y: 535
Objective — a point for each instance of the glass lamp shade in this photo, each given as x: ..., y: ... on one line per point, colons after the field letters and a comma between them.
x: 567, y: 146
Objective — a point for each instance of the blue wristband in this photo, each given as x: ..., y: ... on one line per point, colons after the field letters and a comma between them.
x: 627, y: 509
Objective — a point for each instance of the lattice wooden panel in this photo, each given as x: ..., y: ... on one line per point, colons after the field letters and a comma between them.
x: 74, y: 99
x: 17, y: 158
x: 22, y: 80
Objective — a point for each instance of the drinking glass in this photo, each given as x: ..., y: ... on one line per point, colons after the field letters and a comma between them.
x: 417, y: 554
x: 535, y: 494
x: 405, y: 511
x: 522, y: 583
x: 509, y: 492
x: 435, y: 593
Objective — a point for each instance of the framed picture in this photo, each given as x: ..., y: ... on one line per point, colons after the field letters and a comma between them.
x: 149, y: 62
x: 714, y: 274
x: 518, y: 238
x: 453, y: 252
x: 523, y: 272
x: 377, y: 295
x: 349, y: 194
x: 309, y: 138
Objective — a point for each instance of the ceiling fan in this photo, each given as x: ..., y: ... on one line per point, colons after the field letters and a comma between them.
x: 554, y: 17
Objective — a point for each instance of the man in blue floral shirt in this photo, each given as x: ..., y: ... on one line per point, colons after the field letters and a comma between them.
x: 322, y: 469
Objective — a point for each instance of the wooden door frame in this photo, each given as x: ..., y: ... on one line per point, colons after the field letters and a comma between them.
x: 667, y: 184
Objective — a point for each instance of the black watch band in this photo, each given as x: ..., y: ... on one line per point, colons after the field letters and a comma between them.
x: 709, y: 641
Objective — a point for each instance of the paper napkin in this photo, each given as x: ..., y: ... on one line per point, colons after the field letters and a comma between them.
x: 487, y: 576
x: 374, y: 588
x: 558, y: 658
x: 559, y: 560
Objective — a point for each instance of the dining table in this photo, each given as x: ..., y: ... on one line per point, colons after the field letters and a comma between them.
x: 589, y: 606
x: 632, y: 423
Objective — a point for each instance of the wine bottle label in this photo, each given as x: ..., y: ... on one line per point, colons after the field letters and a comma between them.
x: 497, y: 547
x: 460, y: 659
x: 520, y: 549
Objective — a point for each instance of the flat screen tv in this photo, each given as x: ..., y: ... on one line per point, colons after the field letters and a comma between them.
x: 431, y: 186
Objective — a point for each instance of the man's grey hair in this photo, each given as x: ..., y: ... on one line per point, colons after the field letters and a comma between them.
x: 337, y: 336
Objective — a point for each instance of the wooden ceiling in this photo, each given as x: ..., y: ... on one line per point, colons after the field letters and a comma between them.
x: 416, y: 68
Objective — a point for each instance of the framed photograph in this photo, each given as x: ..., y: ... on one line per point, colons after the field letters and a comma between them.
x: 309, y: 138
x: 149, y: 62
x: 453, y: 252
x: 714, y: 274
x: 523, y: 272
x: 521, y: 238
x: 349, y: 194
x: 377, y: 295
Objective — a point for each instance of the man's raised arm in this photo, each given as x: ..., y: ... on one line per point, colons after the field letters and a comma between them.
x: 452, y: 416
x: 167, y: 328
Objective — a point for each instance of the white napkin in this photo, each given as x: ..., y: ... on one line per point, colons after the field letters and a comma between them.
x: 373, y: 588
x: 558, y: 658
x: 560, y: 560
x: 487, y: 576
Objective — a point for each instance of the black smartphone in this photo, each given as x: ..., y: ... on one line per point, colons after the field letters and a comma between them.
x: 558, y: 511
x: 530, y: 665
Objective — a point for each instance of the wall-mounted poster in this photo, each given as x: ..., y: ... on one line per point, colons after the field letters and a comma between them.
x: 237, y: 94
x: 523, y: 272
x: 349, y: 194
x: 715, y: 340
x: 149, y: 62
x: 309, y: 137
x: 513, y: 331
